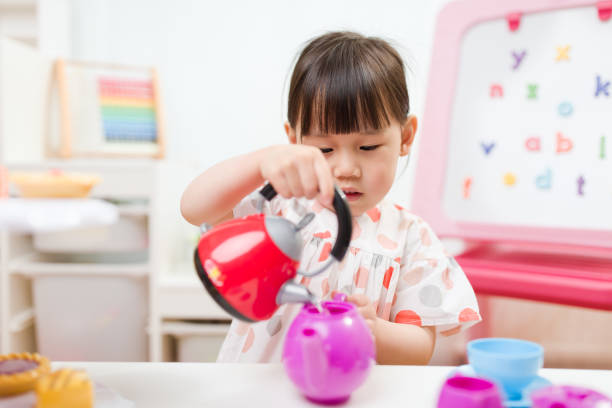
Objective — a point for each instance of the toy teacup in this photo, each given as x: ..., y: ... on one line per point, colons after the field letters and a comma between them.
x: 469, y: 392
x: 512, y: 363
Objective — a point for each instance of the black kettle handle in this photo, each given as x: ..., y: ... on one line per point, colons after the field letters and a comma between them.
x: 343, y: 214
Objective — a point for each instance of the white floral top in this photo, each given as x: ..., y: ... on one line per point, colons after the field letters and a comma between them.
x: 394, y: 258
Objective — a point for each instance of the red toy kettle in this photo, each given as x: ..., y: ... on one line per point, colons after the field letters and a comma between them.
x: 248, y: 265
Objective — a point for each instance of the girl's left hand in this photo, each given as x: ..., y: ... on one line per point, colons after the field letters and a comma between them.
x: 366, y: 308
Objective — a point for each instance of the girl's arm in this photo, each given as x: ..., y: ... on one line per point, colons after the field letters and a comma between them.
x: 399, y: 343
x: 293, y: 170
x: 212, y: 195
x: 396, y: 343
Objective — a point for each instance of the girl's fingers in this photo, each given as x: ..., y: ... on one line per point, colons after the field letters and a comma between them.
x: 280, y: 184
x: 301, y: 172
x: 308, y: 178
x: 294, y: 181
x: 325, y: 181
x: 367, y: 312
x: 358, y: 299
x: 371, y: 325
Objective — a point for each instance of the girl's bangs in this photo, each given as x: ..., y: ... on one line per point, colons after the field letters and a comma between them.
x: 348, y: 101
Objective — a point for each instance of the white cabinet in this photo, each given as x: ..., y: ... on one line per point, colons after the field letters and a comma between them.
x: 160, y: 262
x: 18, y: 20
x: 147, y: 194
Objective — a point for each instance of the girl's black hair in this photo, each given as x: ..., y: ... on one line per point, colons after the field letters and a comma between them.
x: 344, y: 82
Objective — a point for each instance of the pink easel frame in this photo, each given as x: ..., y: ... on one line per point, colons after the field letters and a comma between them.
x: 519, y: 261
x: 453, y: 22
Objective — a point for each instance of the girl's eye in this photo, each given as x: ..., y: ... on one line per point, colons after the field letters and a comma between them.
x: 373, y: 147
x: 326, y: 149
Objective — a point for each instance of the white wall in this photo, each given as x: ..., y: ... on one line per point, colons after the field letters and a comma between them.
x: 224, y: 64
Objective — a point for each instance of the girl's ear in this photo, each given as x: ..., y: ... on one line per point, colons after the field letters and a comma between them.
x: 408, y: 132
x: 290, y: 133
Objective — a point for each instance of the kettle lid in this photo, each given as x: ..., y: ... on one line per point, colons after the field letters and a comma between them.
x: 285, y: 235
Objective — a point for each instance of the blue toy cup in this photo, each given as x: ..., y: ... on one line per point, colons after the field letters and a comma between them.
x: 512, y: 363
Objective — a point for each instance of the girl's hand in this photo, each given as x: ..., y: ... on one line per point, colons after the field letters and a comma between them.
x: 298, y: 171
x: 367, y: 310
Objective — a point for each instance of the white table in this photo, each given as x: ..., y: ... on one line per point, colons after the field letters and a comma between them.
x: 184, y: 385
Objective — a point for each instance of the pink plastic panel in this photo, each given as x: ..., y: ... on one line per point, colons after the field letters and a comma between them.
x: 571, y: 279
x: 453, y: 22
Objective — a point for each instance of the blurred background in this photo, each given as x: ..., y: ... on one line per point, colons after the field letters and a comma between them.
x: 107, y: 274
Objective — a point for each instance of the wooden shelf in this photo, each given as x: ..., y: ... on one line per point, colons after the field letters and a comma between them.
x: 36, y: 265
x: 133, y: 210
x: 121, y: 178
x: 29, y: 5
x: 18, y: 20
x: 22, y: 321
x: 184, y: 297
x: 194, y: 328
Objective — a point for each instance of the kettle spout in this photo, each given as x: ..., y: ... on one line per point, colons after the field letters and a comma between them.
x: 292, y: 292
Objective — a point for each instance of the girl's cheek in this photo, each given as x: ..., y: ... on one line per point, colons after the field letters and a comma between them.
x: 381, y: 169
x: 381, y: 175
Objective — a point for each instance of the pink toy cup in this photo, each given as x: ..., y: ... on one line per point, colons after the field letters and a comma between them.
x: 566, y: 396
x: 469, y: 392
x: 328, y: 354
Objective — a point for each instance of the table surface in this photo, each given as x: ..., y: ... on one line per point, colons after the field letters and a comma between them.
x: 165, y: 385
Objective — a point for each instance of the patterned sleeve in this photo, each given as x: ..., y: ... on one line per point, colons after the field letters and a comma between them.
x: 432, y: 289
x: 248, y: 205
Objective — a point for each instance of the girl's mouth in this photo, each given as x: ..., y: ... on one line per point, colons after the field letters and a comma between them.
x: 352, y: 195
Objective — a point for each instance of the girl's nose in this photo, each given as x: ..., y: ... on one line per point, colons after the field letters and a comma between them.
x: 345, y: 166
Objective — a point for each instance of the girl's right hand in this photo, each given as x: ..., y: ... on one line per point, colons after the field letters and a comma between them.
x: 298, y: 171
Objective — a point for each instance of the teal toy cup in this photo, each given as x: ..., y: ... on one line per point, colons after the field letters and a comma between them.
x: 512, y: 363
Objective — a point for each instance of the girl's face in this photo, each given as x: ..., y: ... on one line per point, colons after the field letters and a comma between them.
x: 363, y: 164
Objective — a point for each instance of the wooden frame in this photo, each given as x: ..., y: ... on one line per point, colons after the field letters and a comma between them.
x: 81, y: 136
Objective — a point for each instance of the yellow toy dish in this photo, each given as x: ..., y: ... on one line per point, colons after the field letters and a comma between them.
x: 64, y: 388
x: 20, y: 371
x: 53, y: 184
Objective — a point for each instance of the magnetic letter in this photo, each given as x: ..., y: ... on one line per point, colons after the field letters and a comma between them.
x: 580, y: 185
x: 496, y: 91
x: 467, y: 183
x: 563, y: 53
x: 509, y: 179
x: 487, y: 147
x: 565, y: 109
x: 601, y: 87
x: 564, y: 144
x: 544, y: 181
x: 518, y: 58
x: 533, y: 91
x: 533, y: 144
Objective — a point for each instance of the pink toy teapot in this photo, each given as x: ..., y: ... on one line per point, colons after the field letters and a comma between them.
x: 329, y: 352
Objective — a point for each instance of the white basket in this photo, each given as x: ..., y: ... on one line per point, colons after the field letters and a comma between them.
x: 90, y: 312
x: 128, y: 234
x: 197, y: 342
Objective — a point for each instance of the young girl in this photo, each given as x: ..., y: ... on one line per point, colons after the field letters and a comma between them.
x: 348, y: 123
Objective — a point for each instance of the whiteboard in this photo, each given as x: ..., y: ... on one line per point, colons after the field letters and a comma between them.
x: 526, y: 145
x: 536, y: 154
